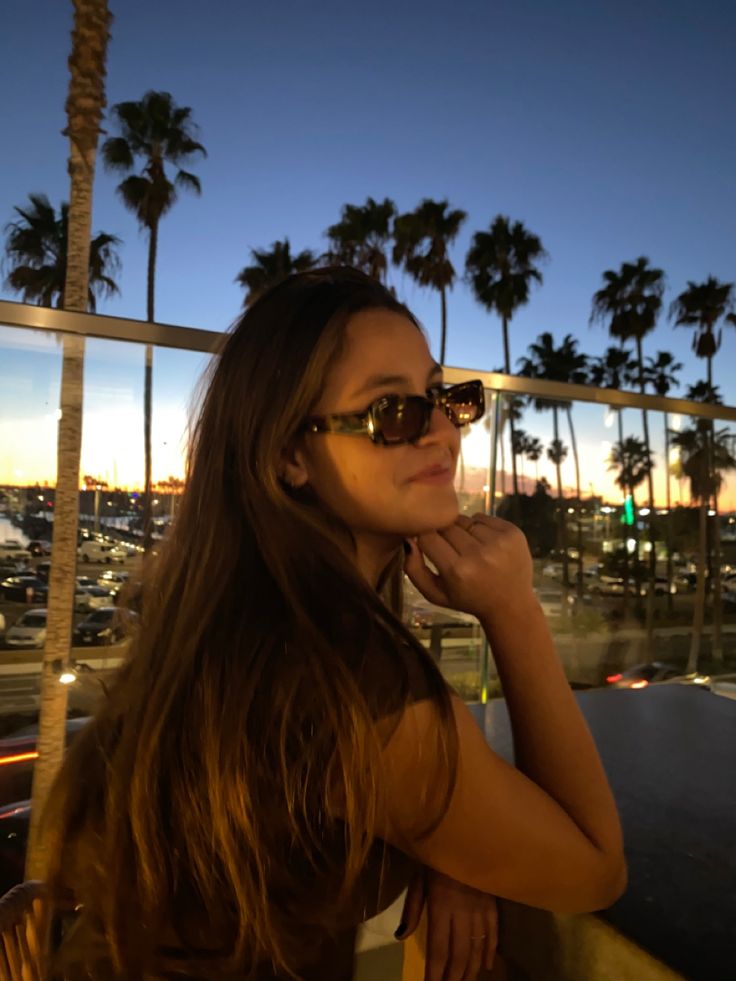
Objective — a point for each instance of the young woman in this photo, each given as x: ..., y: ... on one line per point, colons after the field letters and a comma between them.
x: 280, y: 755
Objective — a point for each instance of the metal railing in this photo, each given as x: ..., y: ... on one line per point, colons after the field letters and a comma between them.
x: 210, y: 341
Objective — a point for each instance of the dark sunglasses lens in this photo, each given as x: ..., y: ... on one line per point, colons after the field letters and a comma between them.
x: 465, y: 403
x: 401, y: 420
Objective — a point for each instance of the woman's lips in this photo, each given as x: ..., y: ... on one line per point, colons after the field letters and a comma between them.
x: 435, y: 475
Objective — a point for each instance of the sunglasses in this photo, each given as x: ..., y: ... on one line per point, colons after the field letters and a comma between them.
x: 395, y: 419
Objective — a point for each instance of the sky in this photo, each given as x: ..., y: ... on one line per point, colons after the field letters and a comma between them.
x: 608, y: 129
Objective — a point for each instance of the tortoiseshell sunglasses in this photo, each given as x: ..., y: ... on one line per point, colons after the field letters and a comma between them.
x: 395, y: 419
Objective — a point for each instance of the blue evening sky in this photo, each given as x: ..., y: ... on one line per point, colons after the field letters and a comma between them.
x: 607, y: 128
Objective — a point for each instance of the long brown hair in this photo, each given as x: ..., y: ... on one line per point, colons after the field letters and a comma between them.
x: 242, y: 734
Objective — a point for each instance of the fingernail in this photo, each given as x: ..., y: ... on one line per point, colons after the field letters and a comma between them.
x: 407, y: 548
x: 400, y: 931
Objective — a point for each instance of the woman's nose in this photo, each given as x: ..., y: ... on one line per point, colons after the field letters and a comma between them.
x: 440, y: 429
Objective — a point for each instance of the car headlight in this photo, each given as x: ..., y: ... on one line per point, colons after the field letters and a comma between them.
x: 106, y: 632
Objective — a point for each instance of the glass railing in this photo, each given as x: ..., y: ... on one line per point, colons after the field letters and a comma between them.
x: 568, y: 464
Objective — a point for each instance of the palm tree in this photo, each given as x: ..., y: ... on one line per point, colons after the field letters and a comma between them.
x: 566, y: 364
x: 629, y: 304
x: 532, y: 451
x: 36, y: 250
x: 84, y: 107
x: 154, y: 133
x: 362, y: 235
x: 421, y: 241
x: 702, y: 306
x: 501, y: 266
x: 633, y: 462
x: 271, y: 266
x: 704, y: 456
x: 705, y: 391
x: 661, y: 374
x: 519, y: 446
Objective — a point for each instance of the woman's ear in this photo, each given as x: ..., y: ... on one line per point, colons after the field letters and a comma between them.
x: 293, y: 467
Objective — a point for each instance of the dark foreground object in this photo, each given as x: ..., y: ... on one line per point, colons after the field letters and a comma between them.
x: 670, y: 755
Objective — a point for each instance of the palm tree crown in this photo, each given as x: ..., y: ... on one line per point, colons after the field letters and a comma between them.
x: 422, y: 238
x: 563, y: 363
x: 615, y: 368
x: 156, y: 132
x: 632, y: 460
x: 153, y: 133
x: 501, y: 266
x: 660, y: 372
x: 702, y: 306
x: 705, y: 456
x: 361, y: 237
x: 36, y: 252
x: 630, y: 301
x: 271, y: 266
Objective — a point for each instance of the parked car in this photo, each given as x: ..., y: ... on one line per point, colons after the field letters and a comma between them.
x: 16, y: 588
x: 551, y: 602
x: 421, y: 616
x: 611, y: 586
x: 29, y: 631
x: 38, y: 547
x: 661, y: 586
x: 104, y: 626
x: 11, y: 550
x: 92, y: 551
x: 91, y: 598
x: 113, y: 578
x: 641, y: 675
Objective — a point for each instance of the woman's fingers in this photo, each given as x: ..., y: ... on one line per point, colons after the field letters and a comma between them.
x: 413, y: 906
x: 438, y: 943
x: 476, y: 948
x: 427, y: 582
x: 490, y: 944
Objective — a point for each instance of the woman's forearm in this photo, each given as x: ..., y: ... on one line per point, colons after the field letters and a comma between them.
x: 552, y: 743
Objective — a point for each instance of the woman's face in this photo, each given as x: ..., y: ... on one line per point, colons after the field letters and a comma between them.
x: 377, y: 489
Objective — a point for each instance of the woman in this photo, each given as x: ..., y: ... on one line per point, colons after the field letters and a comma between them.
x: 280, y: 755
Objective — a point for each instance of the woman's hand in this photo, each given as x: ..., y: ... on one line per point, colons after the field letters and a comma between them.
x: 462, y: 926
x: 483, y: 566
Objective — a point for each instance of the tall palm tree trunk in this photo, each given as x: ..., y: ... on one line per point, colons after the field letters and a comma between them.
x: 84, y: 106
x: 650, y: 522
x: 574, y: 444
x: 148, y: 393
x: 443, y: 308
x: 625, y: 604
x: 561, y: 530
x: 670, y: 549
x: 507, y: 365
x: 699, y: 603
x: 717, y: 652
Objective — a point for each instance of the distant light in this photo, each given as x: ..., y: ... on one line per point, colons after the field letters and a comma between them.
x: 644, y: 512
x: 571, y: 510
x: 639, y: 684
x: 606, y: 509
x: 67, y: 677
x: 631, y: 544
x: 40, y: 497
x: 711, y: 513
x: 675, y: 421
x: 487, y: 487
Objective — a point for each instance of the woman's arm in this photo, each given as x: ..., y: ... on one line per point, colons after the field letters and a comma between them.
x: 546, y: 833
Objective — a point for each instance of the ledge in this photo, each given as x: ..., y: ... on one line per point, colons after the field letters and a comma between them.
x: 669, y: 754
